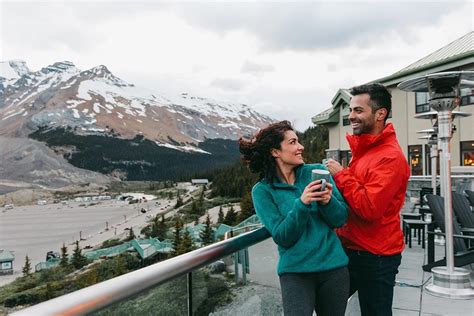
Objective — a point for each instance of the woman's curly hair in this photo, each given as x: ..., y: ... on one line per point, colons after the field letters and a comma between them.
x: 257, y: 152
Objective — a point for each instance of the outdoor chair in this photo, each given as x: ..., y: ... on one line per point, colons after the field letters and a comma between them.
x: 470, y: 196
x: 462, y: 255
x: 427, y: 190
x: 463, y: 212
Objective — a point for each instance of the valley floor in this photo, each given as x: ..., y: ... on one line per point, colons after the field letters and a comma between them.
x: 34, y: 230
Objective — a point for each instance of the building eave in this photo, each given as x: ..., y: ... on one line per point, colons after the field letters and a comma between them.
x: 331, y: 117
x: 442, y: 65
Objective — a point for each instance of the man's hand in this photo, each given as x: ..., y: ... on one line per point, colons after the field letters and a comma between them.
x: 333, y: 166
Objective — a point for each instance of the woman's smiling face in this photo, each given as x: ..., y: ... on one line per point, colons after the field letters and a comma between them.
x: 290, y: 150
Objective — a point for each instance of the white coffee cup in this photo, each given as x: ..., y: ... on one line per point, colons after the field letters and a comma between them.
x: 320, y: 174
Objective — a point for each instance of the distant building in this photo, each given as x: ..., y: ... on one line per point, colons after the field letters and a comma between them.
x: 456, y: 56
x: 199, y: 181
x: 6, y: 262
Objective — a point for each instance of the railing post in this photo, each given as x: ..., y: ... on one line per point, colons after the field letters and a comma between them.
x: 236, y: 266
x: 244, y: 266
x: 190, y: 293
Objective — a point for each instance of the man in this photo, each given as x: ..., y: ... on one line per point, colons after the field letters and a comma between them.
x: 374, y: 186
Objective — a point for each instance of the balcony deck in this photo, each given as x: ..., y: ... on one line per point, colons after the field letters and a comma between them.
x: 410, y: 297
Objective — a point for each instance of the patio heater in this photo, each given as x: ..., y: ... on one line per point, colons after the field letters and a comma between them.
x: 444, y: 91
x: 432, y: 136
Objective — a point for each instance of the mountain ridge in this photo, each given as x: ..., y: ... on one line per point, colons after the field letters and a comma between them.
x: 96, y: 101
x: 99, y: 122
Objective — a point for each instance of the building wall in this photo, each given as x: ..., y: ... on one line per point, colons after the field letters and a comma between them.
x: 406, y: 126
x: 334, y: 137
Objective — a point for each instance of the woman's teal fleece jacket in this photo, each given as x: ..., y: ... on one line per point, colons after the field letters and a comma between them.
x: 304, y: 233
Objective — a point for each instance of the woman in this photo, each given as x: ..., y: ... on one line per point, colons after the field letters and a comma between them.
x: 312, y: 266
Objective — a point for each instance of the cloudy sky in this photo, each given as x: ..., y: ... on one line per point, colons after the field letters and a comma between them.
x: 286, y: 59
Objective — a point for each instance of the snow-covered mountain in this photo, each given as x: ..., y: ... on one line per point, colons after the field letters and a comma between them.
x: 97, y: 102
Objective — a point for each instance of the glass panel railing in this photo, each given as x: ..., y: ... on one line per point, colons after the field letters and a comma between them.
x: 257, y: 292
x: 169, y: 298
x: 125, y: 288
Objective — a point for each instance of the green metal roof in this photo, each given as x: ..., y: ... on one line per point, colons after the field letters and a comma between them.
x: 455, y: 54
x: 329, y: 116
x: 458, y: 53
x: 6, y: 255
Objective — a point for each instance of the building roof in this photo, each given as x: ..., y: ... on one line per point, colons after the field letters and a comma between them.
x: 457, y: 53
x: 6, y: 255
x: 331, y: 115
x: 459, y: 47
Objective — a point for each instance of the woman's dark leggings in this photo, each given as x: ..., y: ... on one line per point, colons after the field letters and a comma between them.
x: 324, y: 292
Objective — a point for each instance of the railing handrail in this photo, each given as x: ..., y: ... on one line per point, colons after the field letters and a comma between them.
x: 100, y: 295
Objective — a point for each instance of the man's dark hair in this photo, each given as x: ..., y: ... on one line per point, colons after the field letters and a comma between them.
x: 379, y: 96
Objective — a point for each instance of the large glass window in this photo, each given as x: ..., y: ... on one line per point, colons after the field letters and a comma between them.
x: 428, y: 161
x: 422, y: 102
x: 467, y: 153
x: 345, y: 114
x: 467, y: 96
x: 345, y: 157
x: 345, y: 120
x: 415, y: 158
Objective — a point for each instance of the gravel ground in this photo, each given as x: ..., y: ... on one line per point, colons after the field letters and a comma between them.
x: 253, y: 299
x: 34, y: 230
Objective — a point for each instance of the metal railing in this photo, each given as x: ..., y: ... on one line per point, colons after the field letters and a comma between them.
x: 101, y: 295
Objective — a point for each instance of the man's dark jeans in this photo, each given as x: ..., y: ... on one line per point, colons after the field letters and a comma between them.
x: 374, y: 278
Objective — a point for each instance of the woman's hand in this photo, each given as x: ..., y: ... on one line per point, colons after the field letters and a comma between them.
x: 312, y: 194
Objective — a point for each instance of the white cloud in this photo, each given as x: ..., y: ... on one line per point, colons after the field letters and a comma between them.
x: 287, y: 59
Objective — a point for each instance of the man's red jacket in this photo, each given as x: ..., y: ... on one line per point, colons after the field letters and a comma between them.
x: 374, y: 186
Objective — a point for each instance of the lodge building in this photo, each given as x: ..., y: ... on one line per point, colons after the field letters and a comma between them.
x: 456, y: 56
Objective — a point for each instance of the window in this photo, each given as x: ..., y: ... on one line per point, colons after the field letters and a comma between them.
x: 422, y: 102
x: 345, y: 157
x: 415, y: 158
x: 467, y: 153
x: 428, y: 161
x: 345, y: 120
x: 467, y: 96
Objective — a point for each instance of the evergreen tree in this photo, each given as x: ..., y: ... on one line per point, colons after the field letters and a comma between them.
x: 207, y: 234
x: 220, y: 218
x: 246, y: 207
x: 177, y: 236
x: 230, y: 217
x: 170, y: 195
x: 64, y: 257
x: 131, y: 234
x: 187, y: 243
x: 179, y: 201
x: 162, y: 229
x: 27, y: 267
x: 201, y: 197
x: 196, y: 208
x: 78, y: 259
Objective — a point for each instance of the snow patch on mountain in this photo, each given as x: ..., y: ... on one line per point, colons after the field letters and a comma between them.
x: 95, y: 101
